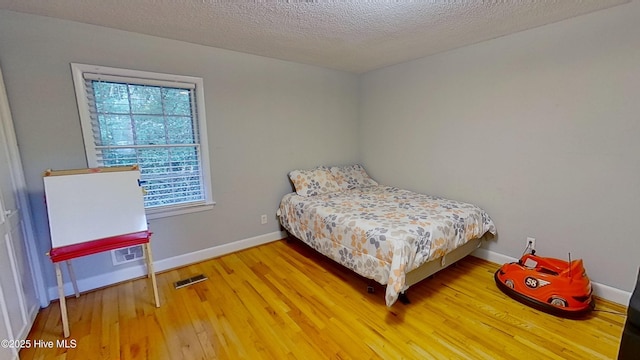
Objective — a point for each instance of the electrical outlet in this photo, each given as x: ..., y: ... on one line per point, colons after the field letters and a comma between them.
x: 263, y: 219
x: 531, y: 243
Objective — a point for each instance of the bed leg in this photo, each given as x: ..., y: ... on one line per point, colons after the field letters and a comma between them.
x: 371, y: 287
x: 403, y: 298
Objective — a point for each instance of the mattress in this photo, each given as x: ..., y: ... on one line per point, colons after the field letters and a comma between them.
x: 382, y: 232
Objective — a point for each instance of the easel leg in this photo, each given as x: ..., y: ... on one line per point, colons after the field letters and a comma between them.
x: 152, y: 274
x: 72, y: 275
x: 63, y: 301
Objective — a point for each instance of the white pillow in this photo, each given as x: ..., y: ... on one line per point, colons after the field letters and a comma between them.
x: 314, y: 182
x: 352, y: 177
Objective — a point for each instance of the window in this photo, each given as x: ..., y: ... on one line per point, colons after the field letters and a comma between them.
x: 154, y: 120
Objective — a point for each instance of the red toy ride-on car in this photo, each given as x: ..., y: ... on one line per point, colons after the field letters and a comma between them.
x: 552, y: 285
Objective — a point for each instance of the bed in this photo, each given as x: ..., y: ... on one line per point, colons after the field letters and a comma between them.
x: 393, y: 236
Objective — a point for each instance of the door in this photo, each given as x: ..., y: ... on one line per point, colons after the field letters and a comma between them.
x: 18, y: 298
x: 12, y: 298
x: 5, y: 352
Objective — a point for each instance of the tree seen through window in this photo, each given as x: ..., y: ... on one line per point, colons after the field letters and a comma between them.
x: 154, y: 127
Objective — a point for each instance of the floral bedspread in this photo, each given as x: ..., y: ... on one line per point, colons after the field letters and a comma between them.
x: 382, y: 232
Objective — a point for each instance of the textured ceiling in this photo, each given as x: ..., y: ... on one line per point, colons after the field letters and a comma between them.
x: 355, y: 36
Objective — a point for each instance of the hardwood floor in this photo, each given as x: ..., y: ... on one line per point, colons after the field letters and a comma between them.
x: 282, y: 300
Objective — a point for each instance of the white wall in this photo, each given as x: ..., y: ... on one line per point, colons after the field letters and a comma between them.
x: 265, y: 118
x: 540, y: 128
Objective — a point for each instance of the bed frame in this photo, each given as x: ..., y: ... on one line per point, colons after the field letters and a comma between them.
x: 429, y: 268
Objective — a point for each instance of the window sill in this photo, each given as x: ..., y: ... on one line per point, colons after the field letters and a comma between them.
x: 167, y: 212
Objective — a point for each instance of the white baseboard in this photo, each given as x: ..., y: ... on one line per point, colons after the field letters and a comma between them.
x: 600, y: 290
x: 610, y: 293
x: 494, y: 257
x: 114, y: 277
x: 133, y: 272
x: 205, y: 254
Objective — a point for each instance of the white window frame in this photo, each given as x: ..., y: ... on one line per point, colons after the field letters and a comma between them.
x: 146, y: 78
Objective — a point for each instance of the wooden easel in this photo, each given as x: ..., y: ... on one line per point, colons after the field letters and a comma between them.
x: 68, y: 244
x: 66, y: 253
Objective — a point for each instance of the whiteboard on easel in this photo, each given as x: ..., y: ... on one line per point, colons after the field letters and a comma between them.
x: 92, y: 204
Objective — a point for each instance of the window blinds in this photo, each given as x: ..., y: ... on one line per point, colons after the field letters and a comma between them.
x: 151, y: 123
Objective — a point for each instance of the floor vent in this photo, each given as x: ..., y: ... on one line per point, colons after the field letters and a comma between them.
x: 189, y: 281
